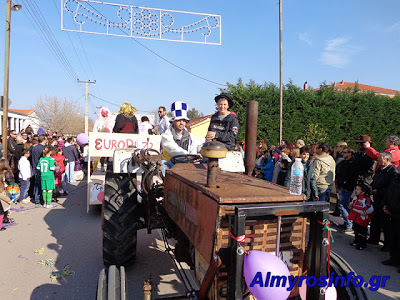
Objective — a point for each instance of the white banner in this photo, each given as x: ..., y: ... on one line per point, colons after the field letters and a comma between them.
x: 102, y: 144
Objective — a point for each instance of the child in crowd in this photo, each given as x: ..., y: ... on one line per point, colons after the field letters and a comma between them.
x: 5, y: 169
x: 25, y: 174
x: 361, y: 211
x: 5, y: 202
x: 46, y: 166
x: 59, y: 175
x: 145, y: 127
x: 282, y: 172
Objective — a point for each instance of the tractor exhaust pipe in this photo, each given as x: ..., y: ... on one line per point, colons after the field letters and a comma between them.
x: 251, y: 137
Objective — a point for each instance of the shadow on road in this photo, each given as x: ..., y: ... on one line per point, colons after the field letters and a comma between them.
x: 78, y: 244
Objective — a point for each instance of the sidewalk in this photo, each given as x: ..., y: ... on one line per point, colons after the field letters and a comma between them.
x: 367, y: 263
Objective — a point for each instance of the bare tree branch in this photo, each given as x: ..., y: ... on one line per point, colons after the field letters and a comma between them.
x: 64, y: 116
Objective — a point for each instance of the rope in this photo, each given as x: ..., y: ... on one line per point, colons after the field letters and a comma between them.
x: 326, y: 226
x: 240, y: 239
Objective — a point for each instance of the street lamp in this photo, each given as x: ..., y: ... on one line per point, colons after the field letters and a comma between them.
x: 9, y: 7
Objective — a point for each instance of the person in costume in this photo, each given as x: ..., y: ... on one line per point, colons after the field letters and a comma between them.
x: 224, y: 125
x: 177, y: 140
x: 126, y: 121
x: 104, y: 121
x: 46, y: 166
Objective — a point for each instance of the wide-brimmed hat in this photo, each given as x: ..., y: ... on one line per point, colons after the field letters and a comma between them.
x: 363, y: 139
x: 225, y: 96
x: 179, y: 111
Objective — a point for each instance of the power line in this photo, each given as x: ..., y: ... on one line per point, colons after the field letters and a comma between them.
x: 73, y: 46
x: 41, y: 26
x: 159, y: 56
x: 109, y: 102
x: 83, y: 49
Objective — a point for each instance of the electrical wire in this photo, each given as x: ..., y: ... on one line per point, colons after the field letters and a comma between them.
x: 38, y: 22
x: 72, y: 44
x: 158, y: 55
x: 112, y: 103
x: 83, y: 50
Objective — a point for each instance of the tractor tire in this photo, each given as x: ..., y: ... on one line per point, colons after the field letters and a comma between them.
x: 341, y: 268
x: 112, y: 285
x: 120, y: 220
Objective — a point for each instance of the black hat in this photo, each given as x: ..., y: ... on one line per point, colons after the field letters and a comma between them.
x: 364, y: 187
x: 226, y: 96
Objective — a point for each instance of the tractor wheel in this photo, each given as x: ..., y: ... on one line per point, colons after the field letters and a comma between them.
x: 120, y: 220
x: 112, y: 284
x: 341, y: 268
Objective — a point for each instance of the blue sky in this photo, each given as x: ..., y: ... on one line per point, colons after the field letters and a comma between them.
x: 322, y: 40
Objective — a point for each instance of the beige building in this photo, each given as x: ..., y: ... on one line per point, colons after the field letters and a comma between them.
x: 199, y: 126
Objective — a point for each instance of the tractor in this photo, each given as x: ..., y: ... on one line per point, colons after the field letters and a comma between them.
x: 204, y: 211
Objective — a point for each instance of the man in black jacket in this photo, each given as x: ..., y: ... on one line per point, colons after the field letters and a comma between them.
x: 36, y: 154
x: 391, y: 207
x: 346, y: 179
x: 363, y: 164
x: 11, y: 146
x: 224, y: 125
x: 71, y: 155
x: 379, y: 186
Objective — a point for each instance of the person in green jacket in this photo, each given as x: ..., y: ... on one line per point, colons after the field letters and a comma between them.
x: 46, y: 166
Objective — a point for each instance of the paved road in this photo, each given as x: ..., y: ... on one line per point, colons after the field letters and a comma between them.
x: 72, y: 237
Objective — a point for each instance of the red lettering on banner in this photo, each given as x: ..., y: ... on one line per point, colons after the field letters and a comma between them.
x: 109, y: 144
x: 129, y: 143
x: 123, y: 144
x: 114, y: 144
x: 97, y: 143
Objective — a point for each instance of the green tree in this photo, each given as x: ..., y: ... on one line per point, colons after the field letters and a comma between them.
x: 194, y: 113
x: 340, y: 115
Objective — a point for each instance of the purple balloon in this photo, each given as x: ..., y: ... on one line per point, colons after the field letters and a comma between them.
x: 82, y: 139
x: 259, y: 268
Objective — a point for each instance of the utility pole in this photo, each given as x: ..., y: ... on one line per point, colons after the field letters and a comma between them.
x: 280, y: 73
x: 86, y: 104
x: 9, y: 7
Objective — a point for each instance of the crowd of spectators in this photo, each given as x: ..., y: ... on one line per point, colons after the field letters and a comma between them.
x: 38, y: 177
x: 366, y: 182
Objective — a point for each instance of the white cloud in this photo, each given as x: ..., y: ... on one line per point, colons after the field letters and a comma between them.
x: 395, y: 27
x: 305, y: 37
x: 338, y: 52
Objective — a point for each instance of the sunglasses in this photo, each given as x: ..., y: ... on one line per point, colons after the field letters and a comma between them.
x: 160, y: 111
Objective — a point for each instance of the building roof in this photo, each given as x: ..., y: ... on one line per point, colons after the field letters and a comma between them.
x: 363, y: 87
x: 23, y: 111
x: 195, y: 121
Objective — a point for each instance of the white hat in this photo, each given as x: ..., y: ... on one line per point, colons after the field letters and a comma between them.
x: 179, y: 111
